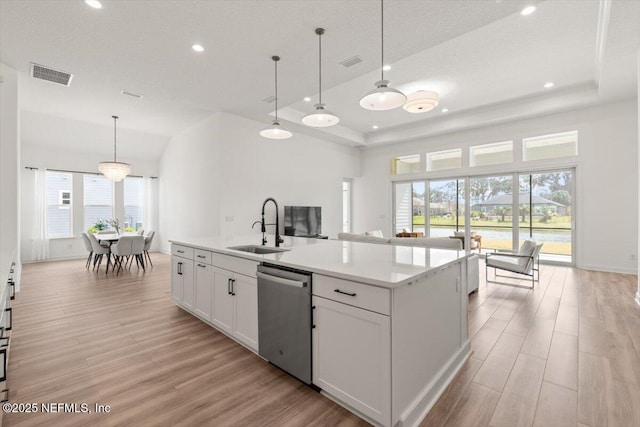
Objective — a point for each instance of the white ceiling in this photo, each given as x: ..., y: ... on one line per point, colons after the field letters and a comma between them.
x: 487, y: 62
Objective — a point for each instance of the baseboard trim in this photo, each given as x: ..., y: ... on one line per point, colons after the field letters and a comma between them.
x: 608, y: 269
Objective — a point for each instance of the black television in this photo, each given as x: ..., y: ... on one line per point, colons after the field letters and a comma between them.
x: 302, y: 221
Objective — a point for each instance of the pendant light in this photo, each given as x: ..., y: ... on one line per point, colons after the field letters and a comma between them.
x: 382, y: 97
x: 320, y: 117
x: 276, y: 131
x: 115, y: 171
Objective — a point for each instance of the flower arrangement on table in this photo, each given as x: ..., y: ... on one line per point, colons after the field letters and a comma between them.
x: 102, y: 224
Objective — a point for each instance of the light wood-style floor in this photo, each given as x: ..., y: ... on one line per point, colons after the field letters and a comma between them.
x: 564, y: 354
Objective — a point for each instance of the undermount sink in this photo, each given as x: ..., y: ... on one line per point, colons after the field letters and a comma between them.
x: 257, y: 249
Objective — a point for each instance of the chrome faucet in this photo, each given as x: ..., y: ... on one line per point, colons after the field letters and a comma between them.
x: 277, y: 224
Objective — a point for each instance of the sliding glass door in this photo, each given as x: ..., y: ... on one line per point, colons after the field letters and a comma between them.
x: 546, y: 212
x: 491, y: 202
x: 505, y: 210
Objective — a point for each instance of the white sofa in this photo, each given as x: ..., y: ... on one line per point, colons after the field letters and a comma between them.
x: 473, y: 273
x: 424, y: 242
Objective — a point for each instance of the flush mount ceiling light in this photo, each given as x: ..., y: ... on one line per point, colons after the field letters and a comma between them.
x: 276, y: 131
x: 320, y: 117
x: 115, y: 171
x: 421, y: 101
x: 382, y: 97
x: 528, y: 10
x: 94, y: 4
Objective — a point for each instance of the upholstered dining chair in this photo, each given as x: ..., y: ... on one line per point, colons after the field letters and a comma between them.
x: 525, y: 261
x: 137, y: 251
x: 88, y: 247
x: 121, y: 251
x: 99, y: 251
x: 148, y: 239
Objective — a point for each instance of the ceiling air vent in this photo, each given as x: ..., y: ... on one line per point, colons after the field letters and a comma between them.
x: 49, y: 74
x: 351, y: 62
x: 270, y: 100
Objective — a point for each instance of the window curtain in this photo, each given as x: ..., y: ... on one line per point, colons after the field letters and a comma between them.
x: 150, y: 207
x: 40, y: 245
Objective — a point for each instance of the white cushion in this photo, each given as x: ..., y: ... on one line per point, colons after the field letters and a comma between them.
x: 376, y: 233
x: 458, y: 233
x: 527, y: 247
x: 508, y: 263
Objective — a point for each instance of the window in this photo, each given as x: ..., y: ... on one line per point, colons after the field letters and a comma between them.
x: 405, y: 164
x: 491, y: 154
x: 98, y: 199
x: 59, y: 185
x: 441, y: 160
x: 550, y: 146
x: 133, y: 203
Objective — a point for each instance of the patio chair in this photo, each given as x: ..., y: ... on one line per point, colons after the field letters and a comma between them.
x: 525, y: 261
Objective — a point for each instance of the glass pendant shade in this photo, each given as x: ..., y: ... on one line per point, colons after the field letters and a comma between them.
x: 115, y: 171
x: 276, y: 131
x: 320, y: 118
x: 421, y: 101
x: 382, y: 98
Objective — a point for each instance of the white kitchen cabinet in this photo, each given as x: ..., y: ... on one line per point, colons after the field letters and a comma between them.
x: 235, y: 306
x: 352, y: 357
x: 182, y: 283
x: 204, y: 290
x: 245, y: 327
x: 222, y: 315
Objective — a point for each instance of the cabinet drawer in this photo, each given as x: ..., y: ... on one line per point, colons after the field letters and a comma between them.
x: 235, y: 264
x: 357, y: 294
x: 202, y: 256
x: 182, y: 251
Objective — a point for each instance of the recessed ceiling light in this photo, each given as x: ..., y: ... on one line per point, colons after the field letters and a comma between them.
x: 528, y: 10
x: 307, y: 99
x: 386, y: 67
x: 548, y: 85
x: 94, y: 4
x: 374, y: 127
x: 197, y: 48
x: 445, y: 110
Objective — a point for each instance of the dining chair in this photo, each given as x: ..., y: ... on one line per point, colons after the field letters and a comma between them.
x: 522, y: 262
x: 88, y: 247
x: 137, y: 251
x: 99, y: 251
x: 147, y: 245
x: 121, y: 251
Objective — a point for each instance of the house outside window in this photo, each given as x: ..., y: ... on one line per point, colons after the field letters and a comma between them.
x: 59, y: 203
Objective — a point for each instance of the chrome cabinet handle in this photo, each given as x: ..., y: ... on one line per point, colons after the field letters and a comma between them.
x: 345, y: 293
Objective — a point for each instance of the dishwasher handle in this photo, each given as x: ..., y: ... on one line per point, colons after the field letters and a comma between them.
x: 281, y: 280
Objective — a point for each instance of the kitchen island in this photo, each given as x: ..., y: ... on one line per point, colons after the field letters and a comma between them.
x: 389, y: 322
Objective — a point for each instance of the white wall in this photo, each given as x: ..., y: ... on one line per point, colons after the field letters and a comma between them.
x: 215, y: 176
x: 9, y: 163
x: 607, y: 178
x: 34, y: 153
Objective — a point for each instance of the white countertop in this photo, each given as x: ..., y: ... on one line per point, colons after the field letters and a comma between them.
x: 376, y: 264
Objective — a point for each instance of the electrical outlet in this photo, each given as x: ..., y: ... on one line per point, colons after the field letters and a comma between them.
x: 632, y: 257
x: 228, y: 218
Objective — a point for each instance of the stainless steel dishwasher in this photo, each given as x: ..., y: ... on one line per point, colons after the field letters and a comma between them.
x: 284, y: 319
